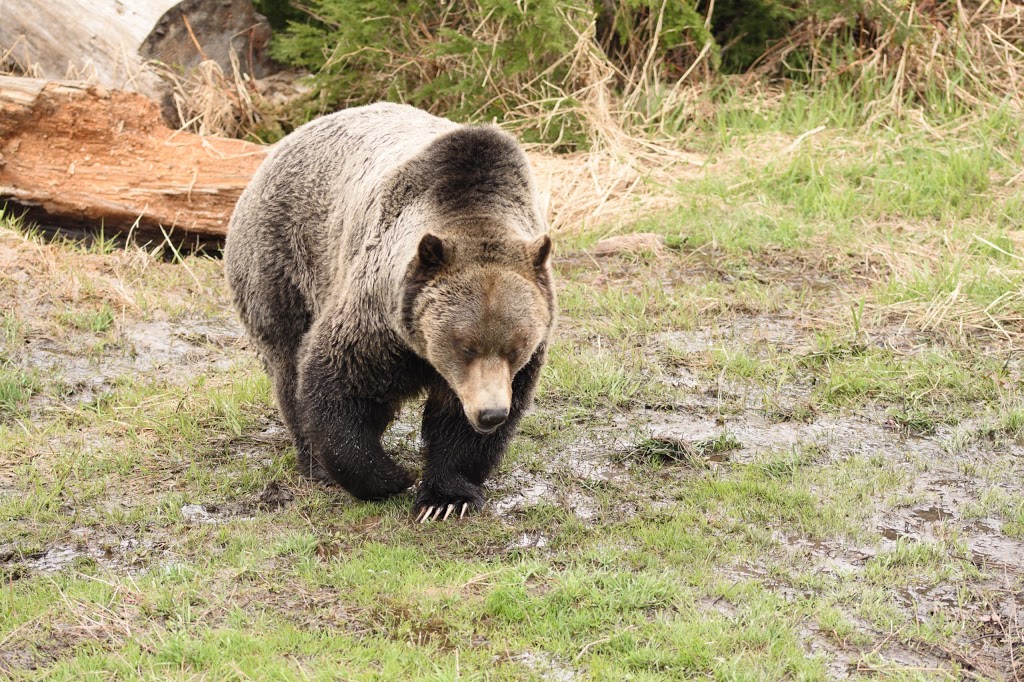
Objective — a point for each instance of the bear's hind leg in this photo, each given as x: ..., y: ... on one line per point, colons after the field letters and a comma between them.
x: 285, y: 379
x: 277, y: 319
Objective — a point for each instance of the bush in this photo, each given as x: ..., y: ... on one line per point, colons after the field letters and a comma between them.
x: 566, y: 73
x: 484, y: 59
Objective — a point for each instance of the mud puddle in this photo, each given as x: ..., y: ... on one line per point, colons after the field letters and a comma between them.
x: 776, y: 331
x: 84, y: 549
x: 785, y: 333
x: 161, y: 345
x: 948, y: 504
x: 756, y: 434
x: 547, y: 666
x: 569, y: 480
x: 178, y: 351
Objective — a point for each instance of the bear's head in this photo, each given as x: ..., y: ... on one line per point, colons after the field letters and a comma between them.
x: 478, y: 311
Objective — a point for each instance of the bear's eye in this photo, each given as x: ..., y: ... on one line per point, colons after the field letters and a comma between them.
x: 466, y: 345
x: 517, y: 349
x: 515, y: 353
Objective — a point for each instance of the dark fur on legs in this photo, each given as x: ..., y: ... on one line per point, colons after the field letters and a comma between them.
x: 279, y: 332
x: 284, y: 377
x: 343, y: 421
x: 344, y: 436
x: 459, y: 458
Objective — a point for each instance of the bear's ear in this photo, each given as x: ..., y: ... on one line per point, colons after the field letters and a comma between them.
x: 540, y: 250
x: 432, y: 252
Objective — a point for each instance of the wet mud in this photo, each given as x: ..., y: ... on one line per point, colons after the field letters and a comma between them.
x: 939, y: 497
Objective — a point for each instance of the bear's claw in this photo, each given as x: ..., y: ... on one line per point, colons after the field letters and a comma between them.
x: 432, y: 512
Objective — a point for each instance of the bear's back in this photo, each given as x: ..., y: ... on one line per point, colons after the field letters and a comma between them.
x: 312, y: 199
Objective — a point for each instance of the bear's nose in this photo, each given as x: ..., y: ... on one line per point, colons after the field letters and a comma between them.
x: 492, y: 418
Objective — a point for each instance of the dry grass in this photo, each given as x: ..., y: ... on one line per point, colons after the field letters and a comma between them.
x: 597, y: 188
x: 973, y: 55
x: 210, y: 102
x: 948, y: 310
x: 16, y: 61
x: 632, y: 165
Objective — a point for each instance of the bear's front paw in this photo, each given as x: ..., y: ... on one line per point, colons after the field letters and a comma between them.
x: 434, y: 504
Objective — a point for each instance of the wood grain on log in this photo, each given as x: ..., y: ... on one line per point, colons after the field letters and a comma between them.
x: 81, y: 156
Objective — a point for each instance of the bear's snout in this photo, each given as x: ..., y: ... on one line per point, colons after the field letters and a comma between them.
x: 492, y: 418
x: 486, y: 393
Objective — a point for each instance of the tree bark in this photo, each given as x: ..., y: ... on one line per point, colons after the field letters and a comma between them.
x: 80, y: 156
x: 110, y: 41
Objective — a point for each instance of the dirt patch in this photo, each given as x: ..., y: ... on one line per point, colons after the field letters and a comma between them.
x: 275, y: 496
x: 183, y: 343
x: 946, y: 503
x: 757, y: 434
x: 85, y: 548
x: 547, y: 667
x: 844, y: 661
x: 997, y: 551
x: 152, y: 348
x: 751, y: 330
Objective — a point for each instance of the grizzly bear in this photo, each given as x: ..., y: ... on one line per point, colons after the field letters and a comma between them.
x: 380, y: 253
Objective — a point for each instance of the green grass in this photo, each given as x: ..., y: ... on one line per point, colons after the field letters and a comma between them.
x: 627, y: 311
x: 96, y: 321
x: 830, y: 347
x: 595, y: 377
x: 16, y: 387
x: 694, y: 454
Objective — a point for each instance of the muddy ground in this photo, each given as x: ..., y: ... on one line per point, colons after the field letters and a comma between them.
x: 138, y: 429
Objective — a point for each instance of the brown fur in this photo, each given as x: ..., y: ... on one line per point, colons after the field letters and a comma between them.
x: 380, y: 252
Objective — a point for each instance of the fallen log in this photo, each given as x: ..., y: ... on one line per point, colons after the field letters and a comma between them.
x: 82, y: 157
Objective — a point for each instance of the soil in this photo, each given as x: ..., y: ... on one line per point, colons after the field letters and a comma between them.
x: 936, y: 499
